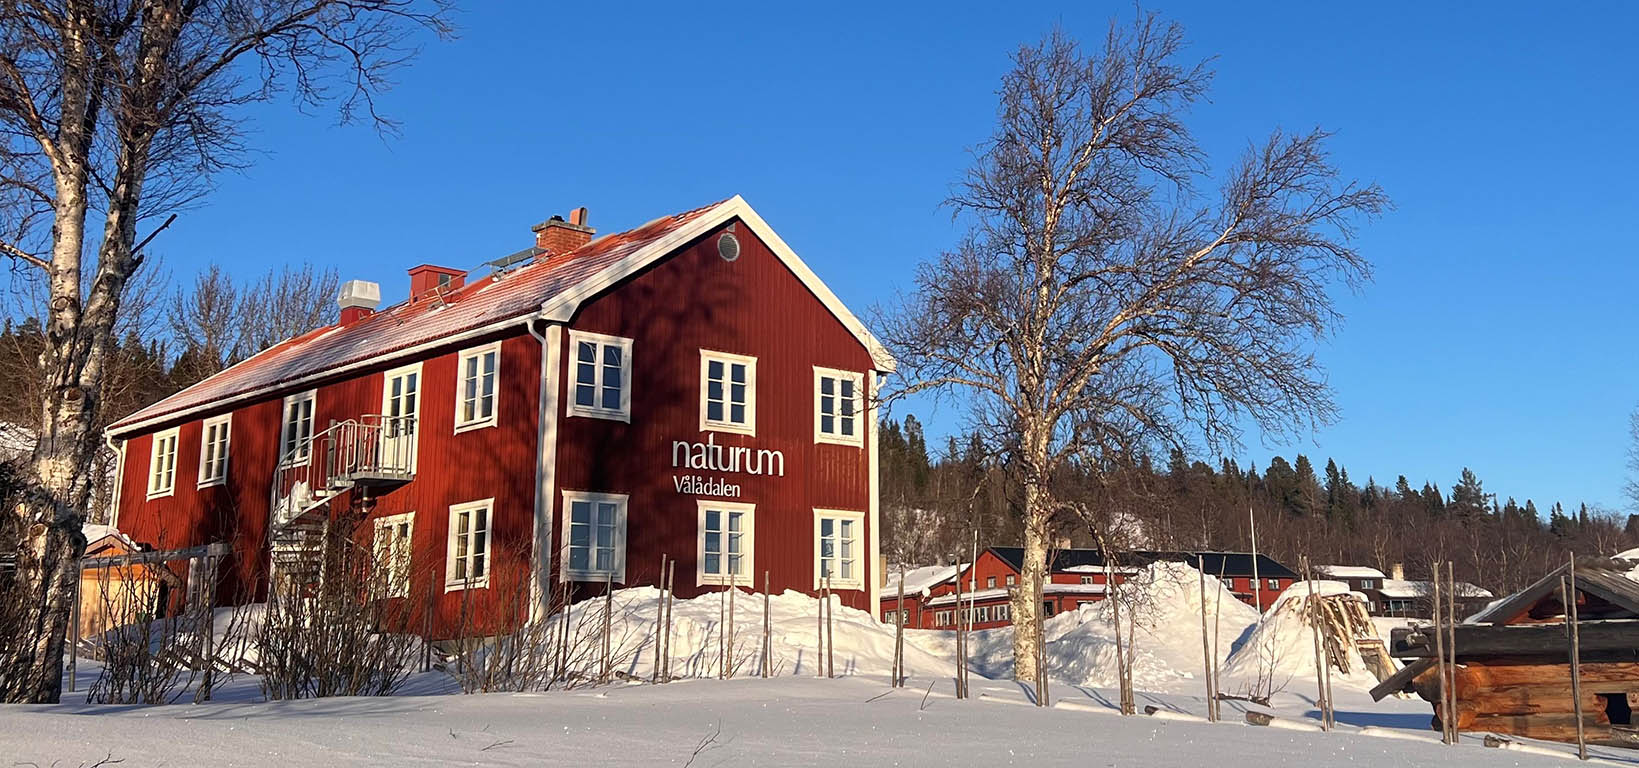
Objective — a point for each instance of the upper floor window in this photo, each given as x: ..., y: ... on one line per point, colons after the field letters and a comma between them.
x: 990, y: 582
x: 838, y: 397
x: 728, y: 392
x: 162, y: 464
x: 596, y: 541
x: 602, y: 376
x: 1086, y: 579
x: 476, y: 371
x: 296, y: 441
x: 466, y: 563
x: 837, y: 545
x: 726, y: 546
x: 213, y: 450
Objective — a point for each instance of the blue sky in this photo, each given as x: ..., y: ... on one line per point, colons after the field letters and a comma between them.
x: 1497, y: 334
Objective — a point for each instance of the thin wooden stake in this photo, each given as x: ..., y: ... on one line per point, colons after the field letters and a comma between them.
x: 1206, y: 645
x: 767, y: 634
x: 608, y: 616
x: 1446, y: 715
x: 722, y: 653
x: 961, y: 652
x: 899, y: 634
x: 830, y: 645
x: 819, y: 631
x: 671, y: 599
x: 659, y: 612
x: 733, y: 589
x: 1041, y: 644
x: 1573, y: 621
x: 1314, y: 624
x: 1451, y: 648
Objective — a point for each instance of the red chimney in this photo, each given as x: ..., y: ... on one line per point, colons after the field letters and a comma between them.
x: 358, y: 300
x: 558, y: 237
x: 426, y: 277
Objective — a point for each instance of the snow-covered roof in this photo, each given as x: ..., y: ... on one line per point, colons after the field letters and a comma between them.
x: 550, y: 287
x: 1402, y: 588
x: 984, y: 595
x: 94, y: 533
x: 917, y: 580
x: 1349, y: 572
x: 1100, y: 569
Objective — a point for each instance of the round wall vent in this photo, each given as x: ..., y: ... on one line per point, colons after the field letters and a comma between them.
x: 728, y: 246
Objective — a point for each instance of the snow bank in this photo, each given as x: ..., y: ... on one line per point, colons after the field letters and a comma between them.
x: 1281, y: 649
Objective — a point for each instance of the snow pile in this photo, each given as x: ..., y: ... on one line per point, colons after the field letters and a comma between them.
x: 1165, y: 600
x: 701, y: 637
x: 1282, y: 648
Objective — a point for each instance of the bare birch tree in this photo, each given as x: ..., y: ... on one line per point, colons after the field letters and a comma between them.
x: 115, y: 113
x: 1099, y: 302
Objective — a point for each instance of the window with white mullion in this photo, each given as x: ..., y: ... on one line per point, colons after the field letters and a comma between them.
x: 837, y: 540
x: 595, y: 547
x: 838, y: 406
x: 475, y: 392
x: 728, y: 392
x: 392, y: 550
x: 213, y: 450
x: 726, y: 553
x: 468, y: 562
x: 600, y: 376
x: 162, y: 464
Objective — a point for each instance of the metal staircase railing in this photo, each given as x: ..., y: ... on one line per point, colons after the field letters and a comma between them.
x: 372, y: 449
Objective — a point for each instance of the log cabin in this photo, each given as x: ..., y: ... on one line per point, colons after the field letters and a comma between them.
x: 1513, y: 660
x: 555, y: 423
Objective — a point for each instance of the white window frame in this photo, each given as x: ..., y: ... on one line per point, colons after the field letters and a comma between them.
x: 389, y: 443
x: 748, y: 547
x: 859, y: 558
x: 836, y: 437
x: 285, y: 426
x: 394, y: 584
x: 224, y: 423
x: 707, y: 356
x: 480, y: 422
x: 990, y: 582
x: 618, y: 558
x: 594, y: 411
x: 167, y: 437
x: 1012, y: 580
x: 451, y: 583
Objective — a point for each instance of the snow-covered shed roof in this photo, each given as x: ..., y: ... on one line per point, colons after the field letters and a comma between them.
x: 918, y: 579
x: 1404, y: 588
x: 550, y: 288
x: 1350, y: 572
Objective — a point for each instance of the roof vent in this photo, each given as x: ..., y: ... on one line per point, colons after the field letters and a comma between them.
x: 728, y: 246
x: 358, y: 299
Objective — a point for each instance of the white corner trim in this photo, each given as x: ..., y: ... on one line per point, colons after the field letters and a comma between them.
x: 562, y: 308
x: 873, y: 493
x: 728, y: 358
x: 546, y: 467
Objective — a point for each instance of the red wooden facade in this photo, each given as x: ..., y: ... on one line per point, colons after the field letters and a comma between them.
x: 1076, y: 578
x: 669, y: 291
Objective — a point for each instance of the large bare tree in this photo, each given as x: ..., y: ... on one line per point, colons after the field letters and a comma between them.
x: 114, y: 113
x: 1099, y: 304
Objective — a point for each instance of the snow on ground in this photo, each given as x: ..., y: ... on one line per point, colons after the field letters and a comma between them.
x: 798, y: 719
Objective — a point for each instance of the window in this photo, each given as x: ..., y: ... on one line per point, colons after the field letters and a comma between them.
x: 1086, y: 579
x: 601, y: 387
x: 467, y: 563
x: 475, y: 371
x: 1012, y: 579
x: 837, y: 401
x: 1271, y: 584
x: 400, y: 409
x: 297, y: 437
x: 836, y: 548
x: 392, y: 550
x: 596, y: 544
x: 1368, y: 584
x: 162, y: 464
x: 726, y: 544
x: 990, y: 582
x: 999, y: 613
x: 943, y: 618
x: 213, y: 450
x: 728, y: 392
x: 1047, y: 608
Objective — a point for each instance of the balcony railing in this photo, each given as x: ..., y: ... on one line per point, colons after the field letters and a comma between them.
x: 371, y: 450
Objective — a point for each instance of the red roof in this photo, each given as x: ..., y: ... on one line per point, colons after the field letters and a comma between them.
x: 483, y: 302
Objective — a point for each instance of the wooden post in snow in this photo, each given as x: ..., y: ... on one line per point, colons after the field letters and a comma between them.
x: 1451, y: 649
x: 819, y: 629
x: 1314, y: 625
x: 899, y: 634
x: 1041, y: 646
x: 961, y: 653
x: 563, y: 635
x: 207, y: 649
x: 74, y: 629
x: 1446, y: 715
x: 830, y: 646
x: 1572, y: 618
x: 1206, y: 645
x: 608, y: 615
x: 767, y: 634
x: 1217, y: 619
x: 671, y: 597
x: 722, y: 653
x: 659, y: 611
x: 733, y: 588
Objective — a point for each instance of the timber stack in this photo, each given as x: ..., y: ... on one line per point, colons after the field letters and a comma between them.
x: 1513, y: 662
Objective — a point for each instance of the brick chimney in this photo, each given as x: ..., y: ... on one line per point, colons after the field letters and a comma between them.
x: 558, y: 237
x: 426, y: 277
x: 1397, y: 572
x: 358, y: 299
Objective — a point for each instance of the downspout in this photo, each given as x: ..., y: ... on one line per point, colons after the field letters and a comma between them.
x: 119, y: 479
x: 546, y: 455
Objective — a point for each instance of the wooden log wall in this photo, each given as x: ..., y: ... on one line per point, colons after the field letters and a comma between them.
x: 1533, y: 698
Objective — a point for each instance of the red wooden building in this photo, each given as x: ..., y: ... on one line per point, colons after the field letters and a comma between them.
x: 1076, y: 577
x: 687, y: 388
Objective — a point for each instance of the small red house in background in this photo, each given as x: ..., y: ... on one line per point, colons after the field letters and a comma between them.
x: 1076, y: 577
x: 688, y: 388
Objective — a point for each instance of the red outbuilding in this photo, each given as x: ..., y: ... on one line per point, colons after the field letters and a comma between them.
x: 688, y: 389
x: 1075, y: 577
